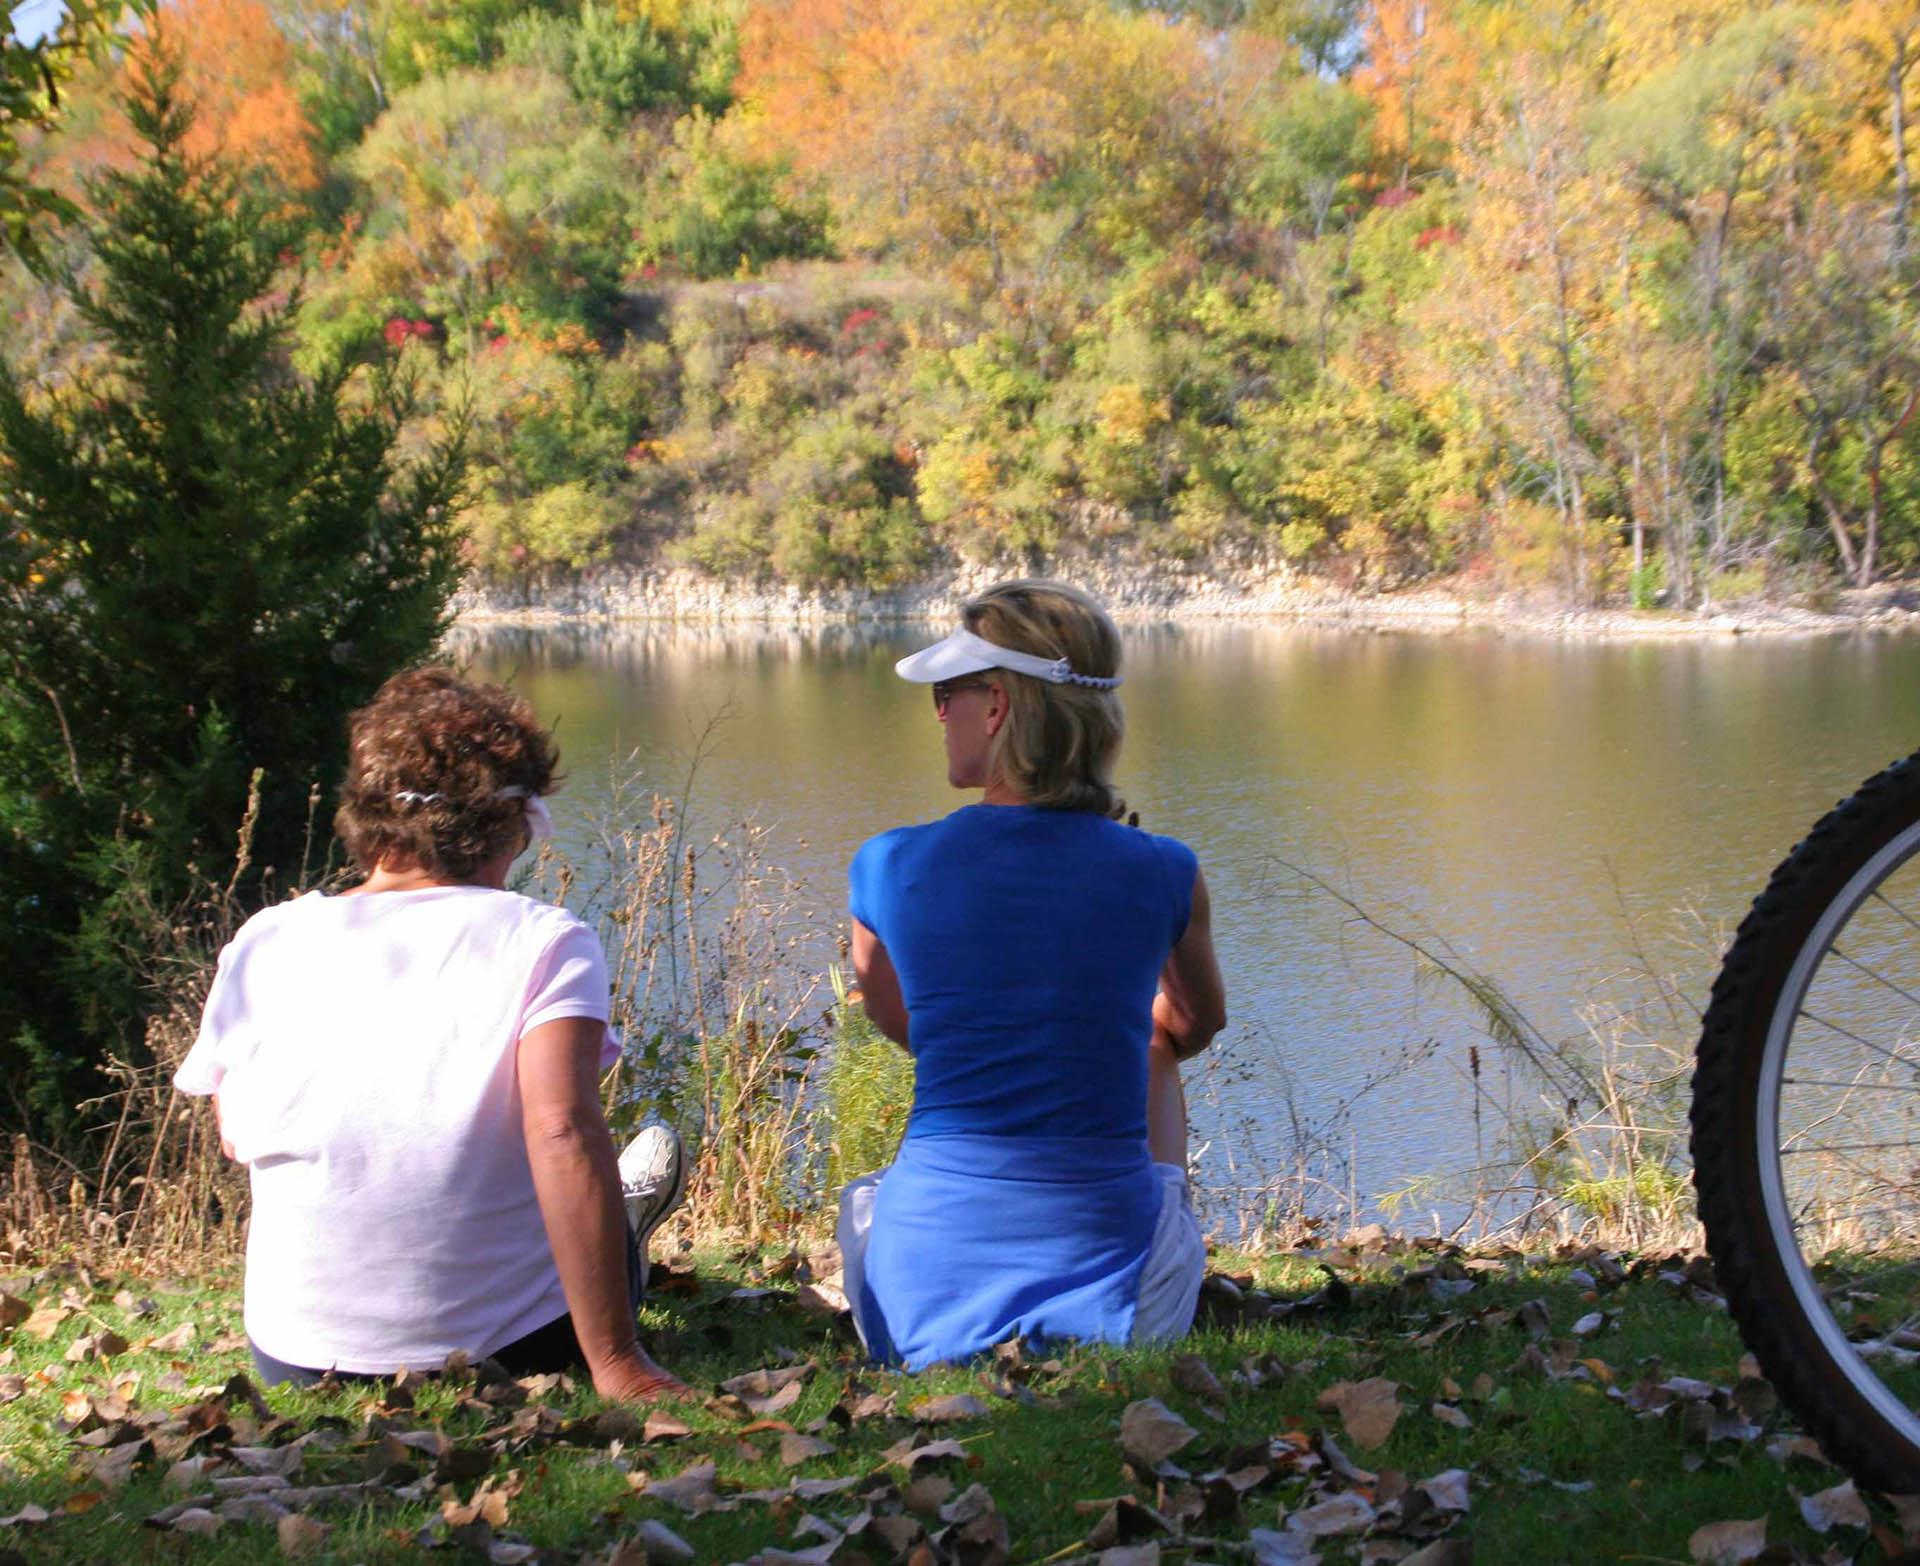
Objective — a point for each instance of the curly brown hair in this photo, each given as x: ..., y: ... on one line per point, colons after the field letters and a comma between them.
x: 430, y: 733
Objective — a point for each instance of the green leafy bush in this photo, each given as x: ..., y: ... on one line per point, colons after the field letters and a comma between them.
x: 868, y: 1093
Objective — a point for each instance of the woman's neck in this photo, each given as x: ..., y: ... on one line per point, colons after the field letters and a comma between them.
x: 1001, y: 793
x: 386, y: 878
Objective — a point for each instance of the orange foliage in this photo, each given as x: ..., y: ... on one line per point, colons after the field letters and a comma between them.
x: 939, y: 123
x: 1421, y: 72
x: 239, y: 70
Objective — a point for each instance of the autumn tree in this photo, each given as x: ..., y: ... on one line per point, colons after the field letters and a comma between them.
x: 32, y: 77
x: 238, y: 69
x: 1711, y: 141
x: 340, y: 47
x: 1420, y: 71
x: 1004, y: 138
x: 1529, y: 300
x: 482, y: 189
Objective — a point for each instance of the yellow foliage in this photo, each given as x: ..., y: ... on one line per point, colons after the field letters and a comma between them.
x: 1128, y: 415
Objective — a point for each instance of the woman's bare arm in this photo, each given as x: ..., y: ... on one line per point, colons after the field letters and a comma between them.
x: 1192, y: 1004
x: 879, y: 985
x: 576, y: 1176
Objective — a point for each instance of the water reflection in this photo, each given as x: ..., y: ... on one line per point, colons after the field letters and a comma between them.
x: 1515, y: 797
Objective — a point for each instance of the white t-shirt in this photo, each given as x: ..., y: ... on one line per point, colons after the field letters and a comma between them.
x: 364, y: 1052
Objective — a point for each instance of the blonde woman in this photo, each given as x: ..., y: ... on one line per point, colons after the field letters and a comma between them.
x: 1048, y: 968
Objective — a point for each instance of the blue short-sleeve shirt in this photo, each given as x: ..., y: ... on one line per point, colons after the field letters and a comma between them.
x: 1028, y: 943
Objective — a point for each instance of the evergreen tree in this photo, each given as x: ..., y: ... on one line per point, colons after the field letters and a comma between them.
x: 207, y: 561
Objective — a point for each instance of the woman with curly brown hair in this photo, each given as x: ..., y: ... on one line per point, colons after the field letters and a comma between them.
x: 410, y: 1071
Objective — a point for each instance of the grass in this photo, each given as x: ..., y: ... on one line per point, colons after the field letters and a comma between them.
x: 1560, y: 1471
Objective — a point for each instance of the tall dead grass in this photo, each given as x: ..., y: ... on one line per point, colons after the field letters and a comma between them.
x: 1578, y: 1137
x: 718, y: 966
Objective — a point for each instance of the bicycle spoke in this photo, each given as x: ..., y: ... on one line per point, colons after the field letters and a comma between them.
x: 1850, y: 1147
x: 1847, y: 1033
x: 1878, y: 977
x: 1871, y: 1087
x: 1881, y: 897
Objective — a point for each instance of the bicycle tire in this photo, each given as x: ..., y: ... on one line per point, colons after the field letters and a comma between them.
x: 1828, y: 1387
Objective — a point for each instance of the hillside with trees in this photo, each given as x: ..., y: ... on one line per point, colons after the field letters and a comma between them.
x: 1615, y: 300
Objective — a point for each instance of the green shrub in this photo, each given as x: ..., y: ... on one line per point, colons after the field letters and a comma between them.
x: 714, y: 212
x: 206, y: 562
x: 868, y: 1093
x: 1646, y: 583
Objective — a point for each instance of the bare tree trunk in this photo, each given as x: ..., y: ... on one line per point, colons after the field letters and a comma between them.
x: 1836, y: 517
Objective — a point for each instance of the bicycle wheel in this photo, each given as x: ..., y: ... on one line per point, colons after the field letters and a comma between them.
x: 1806, y: 1130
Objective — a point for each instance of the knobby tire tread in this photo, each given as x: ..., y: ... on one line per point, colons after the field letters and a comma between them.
x: 1726, y: 1158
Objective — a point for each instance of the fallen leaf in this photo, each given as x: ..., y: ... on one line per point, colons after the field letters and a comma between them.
x: 96, y: 1345
x: 796, y: 1449
x: 1728, y: 1543
x: 1368, y: 1409
x: 13, y: 1310
x: 45, y: 1321
x: 197, y: 1520
x: 281, y: 1460
x: 764, y: 1383
x: 1840, y: 1507
x: 1349, y: 1513
x: 1125, y: 1521
x: 1147, y: 1554
x: 489, y: 1505
x: 1150, y: 1432
x: 823, y: 1299
x: 1442, y: 1552
x: 1447, y: 1414
x: 1281, y: 1549
x: 662, y: 1545
x: 1447, y: 1490
x: 691, y: 1489
x: 819, y: 1489
x: 1193, y: 1374
x: 948, y: 1410
x: 177, y: 1341
x: 114, y: 1467
x: 911, y: 1457
x: 927, y: 1494
x: 662, y: 1426
x: 300, y: 1535
x: 26, y: 1517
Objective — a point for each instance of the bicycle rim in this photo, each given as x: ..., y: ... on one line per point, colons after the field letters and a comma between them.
x: 1850, y: 1205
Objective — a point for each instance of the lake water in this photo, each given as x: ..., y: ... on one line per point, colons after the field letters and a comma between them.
x: 1521, y: 800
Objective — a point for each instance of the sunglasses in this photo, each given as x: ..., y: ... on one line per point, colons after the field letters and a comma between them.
x: 943, y: 691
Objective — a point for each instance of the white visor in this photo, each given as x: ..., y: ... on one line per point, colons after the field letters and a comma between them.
x: 965, y: 653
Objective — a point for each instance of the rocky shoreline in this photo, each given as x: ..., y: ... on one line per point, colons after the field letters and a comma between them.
x: 1146, y: 591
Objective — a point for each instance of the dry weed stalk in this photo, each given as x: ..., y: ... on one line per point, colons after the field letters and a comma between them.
x: 717, y: 961
x: 1575, y: 1138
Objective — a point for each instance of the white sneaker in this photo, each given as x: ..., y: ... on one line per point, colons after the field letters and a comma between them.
x: 653, y: 1181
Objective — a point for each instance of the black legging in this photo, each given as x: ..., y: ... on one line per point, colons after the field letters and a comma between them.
x: 540, y: 1352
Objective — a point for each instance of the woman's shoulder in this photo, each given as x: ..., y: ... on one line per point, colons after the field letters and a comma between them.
x: 545, y: 922
x: 263, y: 923
x: 881, y: 845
